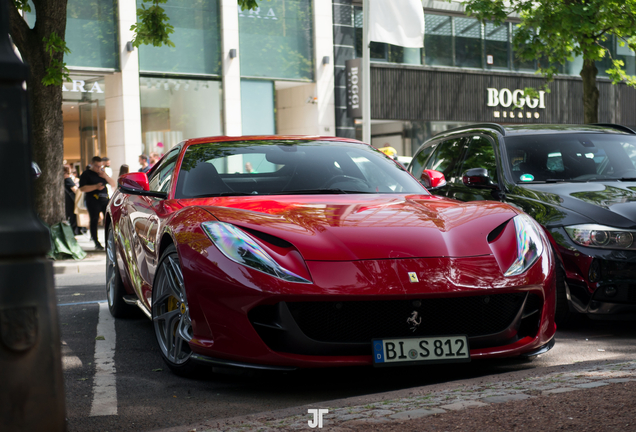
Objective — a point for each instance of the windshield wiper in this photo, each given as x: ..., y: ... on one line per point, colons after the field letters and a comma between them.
x: 319, y: 191
x: 222, y: 194
x: 625, y: 179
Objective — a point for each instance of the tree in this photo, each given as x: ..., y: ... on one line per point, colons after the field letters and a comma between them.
x: 558, y: 30
x: 43, y: 49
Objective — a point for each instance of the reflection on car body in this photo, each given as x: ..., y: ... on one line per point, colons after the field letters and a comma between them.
x: 284, y: 252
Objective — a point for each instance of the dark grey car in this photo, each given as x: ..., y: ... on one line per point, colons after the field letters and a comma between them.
x: 578, y: 181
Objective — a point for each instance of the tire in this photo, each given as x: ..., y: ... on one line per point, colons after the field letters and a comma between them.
x: 171, y: 315
x: 115, y: 290
x: 562, y: 316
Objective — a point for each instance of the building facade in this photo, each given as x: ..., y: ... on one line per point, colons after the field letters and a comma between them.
x: 281, y: 69
x: 231, y: 72
x: 467, y: 72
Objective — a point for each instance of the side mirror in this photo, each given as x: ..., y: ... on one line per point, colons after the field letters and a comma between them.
x: 432, y: 179
x: 136, y: 183
x: 478, y: 178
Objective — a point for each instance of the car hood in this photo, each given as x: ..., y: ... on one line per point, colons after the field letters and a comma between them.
x: 359, y: 227
x: 611, y: 203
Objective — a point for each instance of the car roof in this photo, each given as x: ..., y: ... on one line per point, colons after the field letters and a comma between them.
x: 213, y: 139
x: 536, y: 129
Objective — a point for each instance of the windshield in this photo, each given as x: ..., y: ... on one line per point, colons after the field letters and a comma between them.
x: 571, y: 157
x: 273, y: 167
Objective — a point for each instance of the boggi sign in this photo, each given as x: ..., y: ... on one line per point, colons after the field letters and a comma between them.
x: 507, y: 98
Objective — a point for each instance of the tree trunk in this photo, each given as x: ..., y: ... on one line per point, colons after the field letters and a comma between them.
x: 590, y: 92
x: 45, y: 103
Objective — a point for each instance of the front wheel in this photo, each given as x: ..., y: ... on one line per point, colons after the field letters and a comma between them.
x: 562, y: 315
x: 171, y: 314
x: 115, y: 290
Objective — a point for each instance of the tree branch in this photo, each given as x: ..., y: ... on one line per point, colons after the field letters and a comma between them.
x: 18, y: 28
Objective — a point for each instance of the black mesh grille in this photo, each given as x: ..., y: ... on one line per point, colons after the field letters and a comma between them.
x: 361, y: 321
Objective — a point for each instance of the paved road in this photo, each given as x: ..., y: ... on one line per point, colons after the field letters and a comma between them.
x: 149, y: 397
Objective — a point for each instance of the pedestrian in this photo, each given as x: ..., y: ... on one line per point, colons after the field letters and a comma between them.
x: 69, y: 199
x: 93, y: 183
x: 154, y: 158
x: 124, y: 169
x: 143, y: 161
x: 108, y: 170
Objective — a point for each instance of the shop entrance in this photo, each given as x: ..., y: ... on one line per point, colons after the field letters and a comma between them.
x: 84, y: 114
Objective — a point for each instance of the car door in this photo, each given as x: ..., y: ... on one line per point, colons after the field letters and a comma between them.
x: 480, y: 153
x: 444, y: 158
x: 145, y: 216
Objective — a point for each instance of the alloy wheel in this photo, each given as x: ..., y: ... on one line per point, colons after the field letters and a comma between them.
x: 170, y: 312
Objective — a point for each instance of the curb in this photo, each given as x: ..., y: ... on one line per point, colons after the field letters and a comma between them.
x: 399, y: 405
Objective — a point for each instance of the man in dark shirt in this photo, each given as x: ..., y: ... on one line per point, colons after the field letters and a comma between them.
x: 143, y: 161
x: 93, y: 183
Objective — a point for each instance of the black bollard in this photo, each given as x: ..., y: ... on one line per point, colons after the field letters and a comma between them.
x: 31, y: 381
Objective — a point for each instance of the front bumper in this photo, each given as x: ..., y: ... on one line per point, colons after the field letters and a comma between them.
x: 599, y: 282
x: 243, y: 316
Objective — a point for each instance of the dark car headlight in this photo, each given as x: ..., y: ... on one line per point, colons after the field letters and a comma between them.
x: 530, y: 244
x: 600, y: 236
x: 242, y: 249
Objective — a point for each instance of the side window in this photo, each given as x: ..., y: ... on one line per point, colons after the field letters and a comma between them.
x: 417, y: 164
x: 481, y: 154
x: 446, y: 156
x: 160, y: 179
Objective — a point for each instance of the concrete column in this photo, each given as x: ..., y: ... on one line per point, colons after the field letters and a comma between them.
x: 123, y: 110
x: 232, y: 125
x: 324, y: 73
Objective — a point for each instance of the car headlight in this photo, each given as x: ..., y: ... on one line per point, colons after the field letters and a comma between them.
x: 599, y: 236
x: 530, y: 244
x: 241, y: 248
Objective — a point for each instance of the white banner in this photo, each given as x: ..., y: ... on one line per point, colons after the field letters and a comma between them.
x: 397, y: 22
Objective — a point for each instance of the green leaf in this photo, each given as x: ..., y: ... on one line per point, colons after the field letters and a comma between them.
x: 100, y: 338
x: 157, y: 370
x: 56, y: 71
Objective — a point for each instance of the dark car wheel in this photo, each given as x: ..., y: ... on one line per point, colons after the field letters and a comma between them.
x: 563, y: 315
x: 115, y: 290
x: 171, y: 314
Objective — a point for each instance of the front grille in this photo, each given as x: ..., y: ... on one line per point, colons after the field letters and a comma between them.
x: 617, y: 270
x: 361, y: 321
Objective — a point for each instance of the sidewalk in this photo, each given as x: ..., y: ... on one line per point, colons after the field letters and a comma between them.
x: 575, y: 397
x: 94, y: 262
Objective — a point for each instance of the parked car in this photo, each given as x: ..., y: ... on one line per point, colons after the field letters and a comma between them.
x: 325, y: 252
x: 579, y: 182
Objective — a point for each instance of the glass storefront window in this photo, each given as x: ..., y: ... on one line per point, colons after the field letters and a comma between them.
x: 468, y: 43
x: 176, y: 109
x: 496, y: 45
x: 91, y: 33
x: 518, y: 63
x: 196, y: 36
x: 276, y: 40
x: 257, y: 107
x: 438, y: 40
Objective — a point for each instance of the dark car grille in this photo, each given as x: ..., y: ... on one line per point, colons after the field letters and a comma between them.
x: 361, y: 321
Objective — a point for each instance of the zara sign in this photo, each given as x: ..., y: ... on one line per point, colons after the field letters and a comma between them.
x: 78, y: 87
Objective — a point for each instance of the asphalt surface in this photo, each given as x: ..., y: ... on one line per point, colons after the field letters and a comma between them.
x: 149, y: 397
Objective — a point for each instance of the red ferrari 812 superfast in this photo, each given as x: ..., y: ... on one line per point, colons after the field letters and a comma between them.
x: 281, y: 252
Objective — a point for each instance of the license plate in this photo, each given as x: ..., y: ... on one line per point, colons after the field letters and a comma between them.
x: 431, y: 349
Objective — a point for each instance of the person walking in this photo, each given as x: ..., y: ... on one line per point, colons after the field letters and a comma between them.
x: 93, y: 183
x: 69, y: 199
